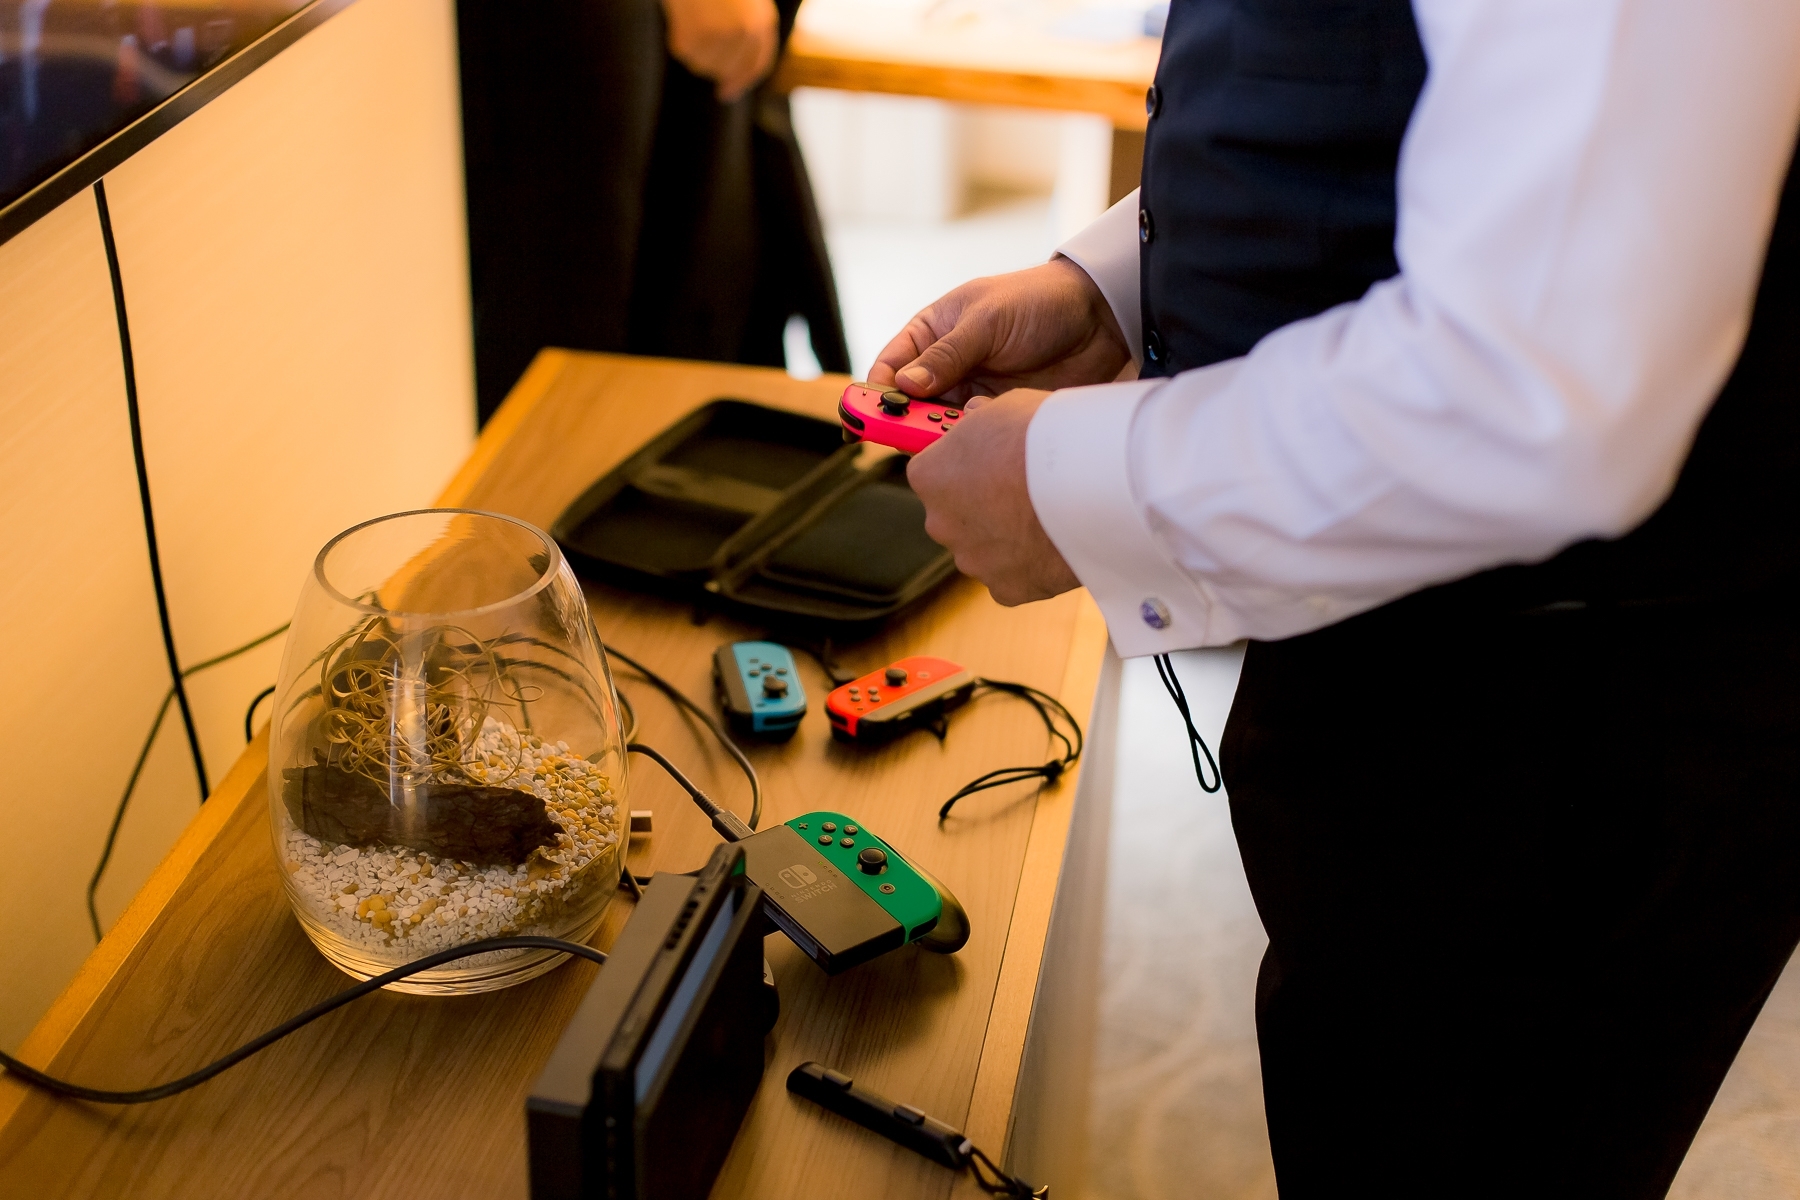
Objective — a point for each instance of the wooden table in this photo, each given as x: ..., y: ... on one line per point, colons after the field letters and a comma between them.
x: 403, y: 1096
x: 958, y: 52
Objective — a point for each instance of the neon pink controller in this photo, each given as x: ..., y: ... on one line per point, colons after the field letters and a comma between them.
x: 892, y: 418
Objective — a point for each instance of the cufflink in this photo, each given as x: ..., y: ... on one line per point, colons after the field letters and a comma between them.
x: 1155, y: 613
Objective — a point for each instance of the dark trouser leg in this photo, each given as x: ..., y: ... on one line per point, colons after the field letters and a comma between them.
x: 1527, y: 882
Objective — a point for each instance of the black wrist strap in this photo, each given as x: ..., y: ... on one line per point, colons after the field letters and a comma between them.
x: 1055, y: 717
x: 1165, y: 671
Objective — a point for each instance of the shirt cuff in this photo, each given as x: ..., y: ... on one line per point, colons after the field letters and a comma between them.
x: 1108, y: 251
x: 1077, y: 470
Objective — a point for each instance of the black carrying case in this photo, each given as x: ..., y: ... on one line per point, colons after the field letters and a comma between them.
x: 763, y: 513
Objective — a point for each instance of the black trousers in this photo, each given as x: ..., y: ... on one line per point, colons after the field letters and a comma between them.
x: 1527, y: 881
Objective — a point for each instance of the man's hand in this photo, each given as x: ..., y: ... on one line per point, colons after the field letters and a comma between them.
x: 1046, y: 327
x: 731, y: 42
x: 973, y: 484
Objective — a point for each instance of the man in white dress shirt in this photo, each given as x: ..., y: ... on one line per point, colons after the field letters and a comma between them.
x: 1468, y: 344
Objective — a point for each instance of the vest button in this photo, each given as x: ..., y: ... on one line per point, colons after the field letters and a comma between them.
x: 1153, y: 347
x: 1146, y: 226
x: 1152, y: 100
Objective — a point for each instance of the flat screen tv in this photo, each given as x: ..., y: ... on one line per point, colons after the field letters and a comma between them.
x: 86, y: 83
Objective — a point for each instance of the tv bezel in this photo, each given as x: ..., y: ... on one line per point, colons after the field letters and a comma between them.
x: 94, y: 163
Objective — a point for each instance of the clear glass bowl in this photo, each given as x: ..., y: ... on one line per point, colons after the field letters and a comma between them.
x: 446, y: 761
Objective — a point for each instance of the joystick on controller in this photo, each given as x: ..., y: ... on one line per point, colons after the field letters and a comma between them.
x: 758, y: 685
x: 889, y: 417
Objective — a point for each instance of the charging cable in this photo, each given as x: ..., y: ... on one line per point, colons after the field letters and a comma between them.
x: 137, y: 770
x: 163, y: 1091
x: 706, y: 718
x: 1165, y: 671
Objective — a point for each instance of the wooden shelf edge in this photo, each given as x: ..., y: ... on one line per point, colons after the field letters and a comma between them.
x: 1003, y: 1049
x: 1120, y: 101
x: 51, y: 1035
x: 532, y: 387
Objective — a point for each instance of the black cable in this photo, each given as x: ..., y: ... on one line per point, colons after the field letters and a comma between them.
x: 729, y: 825
x: 718, y: 731
x: 996, y: 1182
x: 163, y: 1091
x: 112, y: 833
x: 627, y: 715
x: 822, y: 655
x: 143, y: 479
x: 1165, y: 671
x: 250, y: 713
x: 1048, y: 709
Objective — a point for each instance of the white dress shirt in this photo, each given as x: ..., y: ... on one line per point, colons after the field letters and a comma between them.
x: 1586, y: 191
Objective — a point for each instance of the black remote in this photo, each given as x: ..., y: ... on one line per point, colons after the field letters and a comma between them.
x: 897, y: 1122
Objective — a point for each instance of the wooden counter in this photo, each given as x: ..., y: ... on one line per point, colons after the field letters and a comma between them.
x: 957, y: 52
x: 402, y: 1096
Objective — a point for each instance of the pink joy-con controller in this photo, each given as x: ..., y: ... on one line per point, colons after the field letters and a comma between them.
x: 889, y: 417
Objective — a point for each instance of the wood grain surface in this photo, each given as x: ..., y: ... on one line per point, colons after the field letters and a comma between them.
x: 974, y: 58
x: 407, y: 1096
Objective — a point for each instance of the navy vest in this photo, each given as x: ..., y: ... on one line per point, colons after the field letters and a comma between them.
x: 1269, y: 196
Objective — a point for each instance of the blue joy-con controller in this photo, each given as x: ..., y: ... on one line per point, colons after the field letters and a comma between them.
x: 759, y: 688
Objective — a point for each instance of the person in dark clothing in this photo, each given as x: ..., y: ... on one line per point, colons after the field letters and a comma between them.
x: 634, y: 185
x: 1467, y: 340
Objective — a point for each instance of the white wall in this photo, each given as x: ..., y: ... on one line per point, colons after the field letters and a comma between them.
x: 295, y: 266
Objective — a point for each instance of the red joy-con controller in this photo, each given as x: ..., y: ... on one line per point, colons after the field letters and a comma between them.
x: 901, y: 696
x: 889, y: 417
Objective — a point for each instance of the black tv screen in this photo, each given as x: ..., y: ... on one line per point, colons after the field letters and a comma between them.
x: 79, y: 78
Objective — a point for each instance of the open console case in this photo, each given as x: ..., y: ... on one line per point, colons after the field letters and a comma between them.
x: 763, y: 512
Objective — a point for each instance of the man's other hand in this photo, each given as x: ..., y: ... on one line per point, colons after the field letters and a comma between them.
x: 1046, y: 327
x: 973, y: 484
x: 731, y: 42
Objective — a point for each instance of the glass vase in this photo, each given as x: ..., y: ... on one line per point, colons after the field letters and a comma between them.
x: 446, y: 761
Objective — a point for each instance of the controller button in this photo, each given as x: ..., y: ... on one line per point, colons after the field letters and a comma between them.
x: 872, y: 861
x: 829, y: 827
x: 846, y: 843
x: 887, y: 889
x: 934, y: 416
x: 874, y: 693
x: 924, y: 675
x: 895, y: 404
x: 851, y: 830
x: 909, y: 1114
x: 781, y: 670
x: 803, y: 824
x: 895, y: 676
x: 950, y: 414
x: 824, y: 839
x: 774, y: 685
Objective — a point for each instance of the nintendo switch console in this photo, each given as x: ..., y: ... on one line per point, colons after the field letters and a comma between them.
x: 845, y: 896
x: 759, y: 688
x: 907, y: 694
x: 889, y: 417
x: 653, y: 1075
